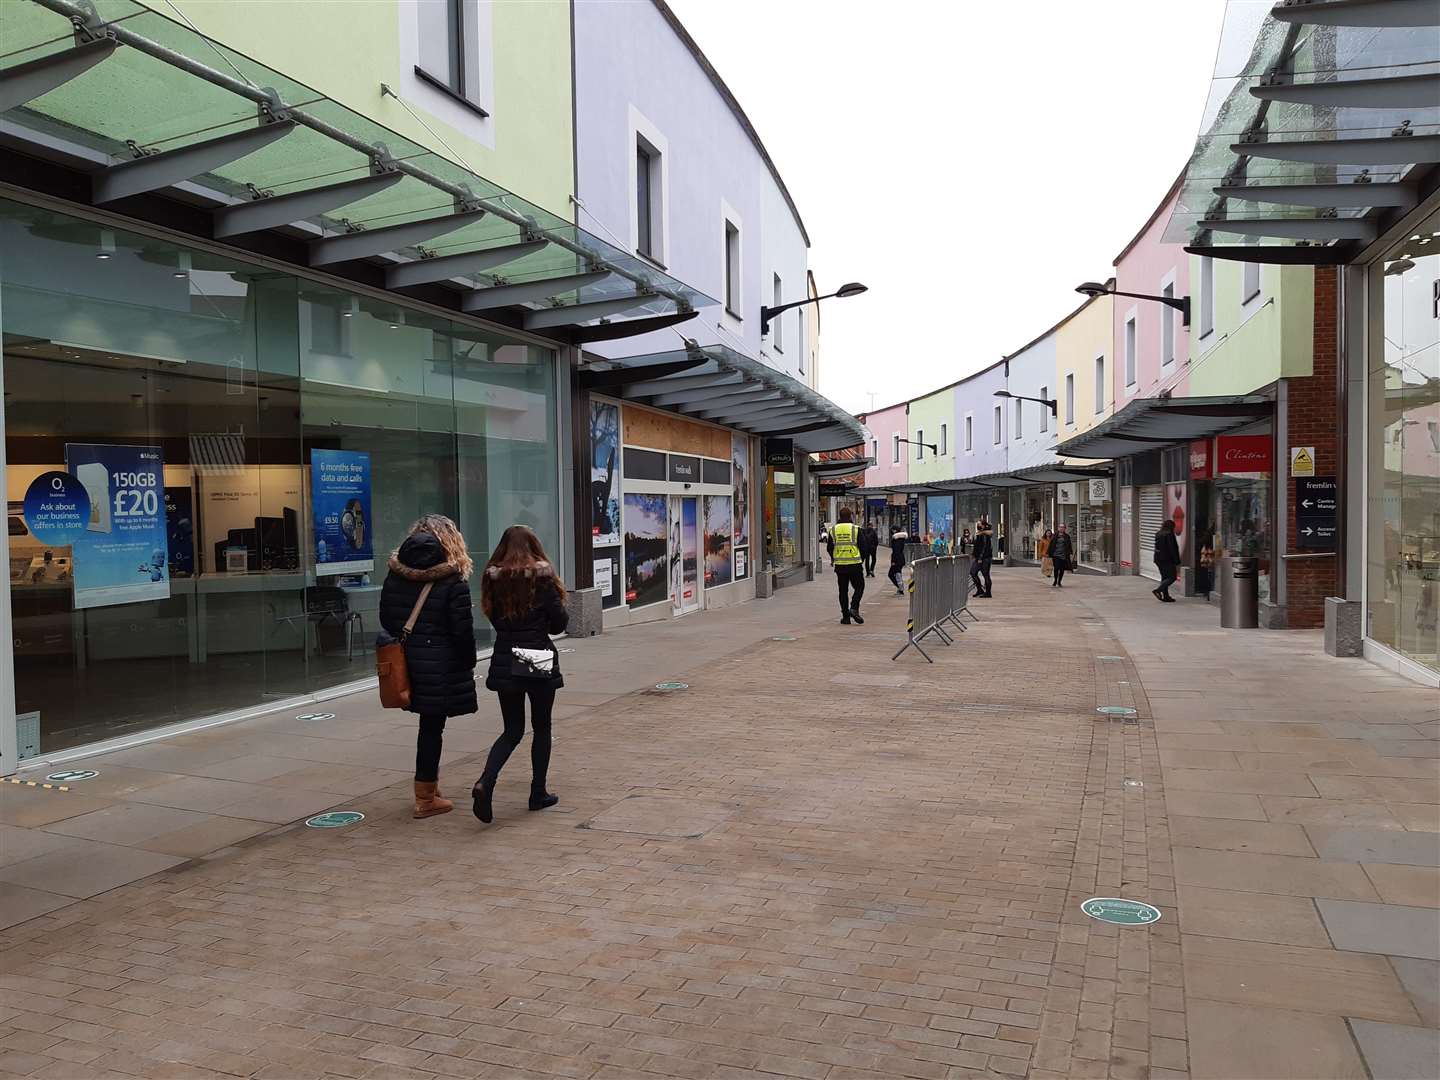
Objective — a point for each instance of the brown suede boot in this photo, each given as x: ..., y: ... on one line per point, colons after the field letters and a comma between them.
x: 429, y: 802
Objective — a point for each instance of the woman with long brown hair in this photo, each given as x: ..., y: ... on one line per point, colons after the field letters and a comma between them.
x: 440, y: 648
x: 524, y: 600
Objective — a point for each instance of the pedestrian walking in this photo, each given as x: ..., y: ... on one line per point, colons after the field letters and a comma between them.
x: 898, y: 539
x: 524, y: 600
x: 1042, y: 552
x: 982, y: 555
x: 845, y: 558
x: 429, y: 575
x: 1167, y: 561
x: 965, y: 542
x: 869, y: 546
x: 1062, y: 554
x: 1205, y: 563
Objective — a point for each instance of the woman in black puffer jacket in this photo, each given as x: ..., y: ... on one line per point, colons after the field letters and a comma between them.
x: 440, y: 651
x: 525, y: 602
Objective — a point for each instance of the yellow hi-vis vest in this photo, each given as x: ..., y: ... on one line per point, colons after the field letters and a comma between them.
x: 847, y: 544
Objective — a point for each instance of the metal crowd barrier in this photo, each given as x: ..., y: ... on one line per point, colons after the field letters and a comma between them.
x: 939, y: 593
x: 915, y: 552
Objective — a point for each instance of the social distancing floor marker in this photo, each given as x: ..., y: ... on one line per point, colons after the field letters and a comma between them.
x: 335, y: 819
x: 1114, y: 910
x: 1115, y: 710
x: 70, y: 776
x: 672, y: 686
x: 35, y: 784
x: 307, y: 717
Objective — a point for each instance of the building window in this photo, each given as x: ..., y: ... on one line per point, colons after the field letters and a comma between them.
x: 875, y: 450
x: 969, y: 434
x: 1167, y: 328
x: 647, y: 201
x: 1019, y: 419
x: 1070, y: 398
x: 1044, y: 409
x: 919, y: 444
x: 944, y: 439
x: 998, y: 420
x: 732, y: 268
x: 1250, y: 283
x: 896, y: 459
x: 1130, y: 352
x: 449, y: 48
x: 1099, y: 385
x: 1207, y: 295
x: 778, y: 323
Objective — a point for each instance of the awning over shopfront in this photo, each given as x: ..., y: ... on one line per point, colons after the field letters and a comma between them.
x: 128, y: 110
x: 716, y: 383
x: 827, y: 470
x: 1322, y: 130
x: 1152, y: 423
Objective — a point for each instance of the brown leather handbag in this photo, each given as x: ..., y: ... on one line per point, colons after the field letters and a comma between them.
x: 390, y: 667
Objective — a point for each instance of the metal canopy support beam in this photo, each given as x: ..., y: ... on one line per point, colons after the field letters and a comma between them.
x: 594, y: 380
x: 424, y: 271
x: 526, y: 292
x: 579, y: 335
x: 1399, y: 92
x: 27, y: 81
x: 1387, y: 150
x: 1294, y: 228
x: 578, y: 313
x: 1377, y: 13
x: 804, y: 429
x: 1310, y: 255
x: 171, y: 167
x: 725, y: 396
x: 1322, y: 195
x: 368, y: 243
x: 755, y: 411
x: 712, y: 375
x: 248, y: 217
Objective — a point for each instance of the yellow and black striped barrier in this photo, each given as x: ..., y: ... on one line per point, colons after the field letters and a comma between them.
x: 34, y: 783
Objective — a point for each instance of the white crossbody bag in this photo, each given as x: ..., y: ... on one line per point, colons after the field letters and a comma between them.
x: 533, y: 663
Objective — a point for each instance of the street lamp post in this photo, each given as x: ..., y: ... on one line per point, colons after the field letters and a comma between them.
x: 932, y: 447
x: 853, y: 288
x: 1179, y: 303
x: 1052, y: 403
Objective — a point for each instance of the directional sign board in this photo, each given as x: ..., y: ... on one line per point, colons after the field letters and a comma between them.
x: 1317, y: 518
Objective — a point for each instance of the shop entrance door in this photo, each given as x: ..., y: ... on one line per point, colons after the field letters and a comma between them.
x: 684, y: 553
x: 1152, y: 514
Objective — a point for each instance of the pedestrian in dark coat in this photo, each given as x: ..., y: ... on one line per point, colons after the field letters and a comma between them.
x: 869, y: 546
x: 440, y: 649
x: 525, y: 602
x: 982, y: 555
x: 1167, y: 561
x: 898, y: 539
x: 1062, y: 554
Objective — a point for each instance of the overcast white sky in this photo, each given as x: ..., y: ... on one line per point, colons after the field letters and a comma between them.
x: 970, y: 162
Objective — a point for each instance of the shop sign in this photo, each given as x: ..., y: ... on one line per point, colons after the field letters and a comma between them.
x: 1200, y: 460
x: 1100, y: 490
x: 1316, y: 513
x: 833, y: 488
x: 912, y: 504
x: 683, y: 470
x: 1243, y: 454
x: 780, y: 453
x: 1302, y: 461
x: 1066, y: 494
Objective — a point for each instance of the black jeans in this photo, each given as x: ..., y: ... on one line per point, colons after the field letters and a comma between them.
x: 1168, y: 574
x: 894, y: 575
x: 512, y: 711
x: 978, y: 568
x: 869, y: 564
x: 1058, y: 568
x: 850, y: 576
x: 428, y: 742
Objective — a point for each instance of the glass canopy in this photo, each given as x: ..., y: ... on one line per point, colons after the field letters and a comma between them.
x: 165, y: 87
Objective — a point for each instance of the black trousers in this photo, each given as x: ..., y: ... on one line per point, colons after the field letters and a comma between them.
x: 428, y: 743
x: 850, y: 576
x: 512, y: 711
x: 1058, y: 568
x: 869, y: 563
x: 1168, y: 574
x: 979, y: 568
x: 894, y: 575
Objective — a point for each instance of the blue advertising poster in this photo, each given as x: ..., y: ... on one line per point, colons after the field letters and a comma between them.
x: 180, y: 527
x: 121, y: 557
x: 340, y: 500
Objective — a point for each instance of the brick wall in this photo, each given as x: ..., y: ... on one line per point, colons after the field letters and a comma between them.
x: 1313, y: 420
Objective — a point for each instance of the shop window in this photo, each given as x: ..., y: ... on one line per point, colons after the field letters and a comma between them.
x: 649, y: 220
x: 777, y: 336
x: 998, y: 422
x: 1100, y: 394
x: 944, y: 439
x: 969, y: 433
x: 449, y: 48
x: 1250, y: 282
x: 920, y: 444
x: 1130, y: 374
x: 1019, y: 420
x: 895, y: 458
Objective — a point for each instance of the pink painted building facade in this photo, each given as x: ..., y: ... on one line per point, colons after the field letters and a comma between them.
x: 1152, y: 344
x: 891, y: 462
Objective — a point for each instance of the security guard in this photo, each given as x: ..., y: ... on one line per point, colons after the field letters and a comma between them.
x: 844, y: 546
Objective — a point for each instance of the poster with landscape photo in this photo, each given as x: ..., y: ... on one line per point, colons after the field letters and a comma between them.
x: 718, y: 552
x: 646, y: 568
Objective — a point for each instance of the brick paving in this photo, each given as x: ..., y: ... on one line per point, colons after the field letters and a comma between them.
x: 812, y: 863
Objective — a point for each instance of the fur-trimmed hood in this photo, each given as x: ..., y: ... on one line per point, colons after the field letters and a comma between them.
x: 422, y: 558
x: 438, y: 572
x: 539, y: 570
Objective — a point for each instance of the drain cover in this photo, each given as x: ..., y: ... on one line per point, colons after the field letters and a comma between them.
x: 672, y: 686
x: 1115, y: 710
x: 1112, y: 909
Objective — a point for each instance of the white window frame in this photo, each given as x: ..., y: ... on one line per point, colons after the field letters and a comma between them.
x: 919, y: 444
x: 1044, y: 409
x: 1206, y: 278
x: 730, y: 219
x: 469, y: 113
x: 969, y: 433
x: 997, y: 419
x: 944, y: 439
x: 1131, y: 345
x: 1070, y: 399
x: 895, y: 460
x: 1168, y: 315
x: 1100, y: 381
x: 1250, y: 283
x: 777, y: 324
x: 1019, y: 424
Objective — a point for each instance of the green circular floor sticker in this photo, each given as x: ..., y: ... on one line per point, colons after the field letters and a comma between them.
x: 334, y: 819
x: 1111, y: 909
x: 672, y: 686
x: 69, y: 776
x: 1115, y: 710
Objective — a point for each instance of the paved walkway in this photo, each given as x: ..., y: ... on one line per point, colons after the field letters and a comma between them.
x: 813, y: 863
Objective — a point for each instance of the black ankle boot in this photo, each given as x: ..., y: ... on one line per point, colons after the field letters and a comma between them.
x: 480, y: 798
x: 539, y: 800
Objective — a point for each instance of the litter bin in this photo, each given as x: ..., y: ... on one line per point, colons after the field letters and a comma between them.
x: 1239, y: 593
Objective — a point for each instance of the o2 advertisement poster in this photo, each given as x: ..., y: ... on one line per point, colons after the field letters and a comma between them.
x: 120, y: 556
x: 340, y: 497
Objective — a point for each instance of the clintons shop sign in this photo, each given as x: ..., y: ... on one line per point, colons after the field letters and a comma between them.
x: 1243, y: 454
